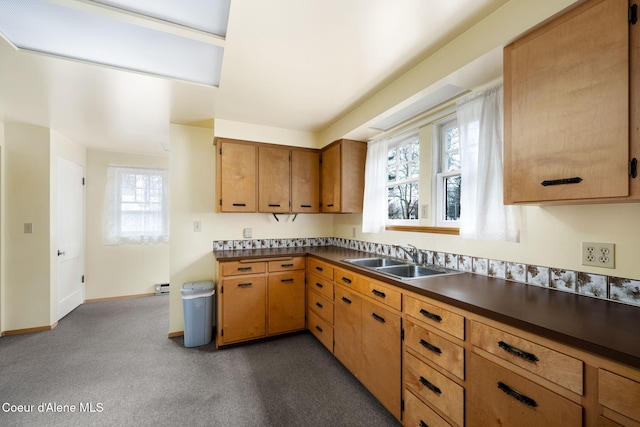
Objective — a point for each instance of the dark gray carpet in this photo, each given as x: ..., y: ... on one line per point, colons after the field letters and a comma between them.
x: 114, y: 358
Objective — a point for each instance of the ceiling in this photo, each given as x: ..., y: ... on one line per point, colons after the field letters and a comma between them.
x: 291, y: 64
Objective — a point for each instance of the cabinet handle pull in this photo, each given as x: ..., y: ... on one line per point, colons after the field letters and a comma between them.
x: 347, y: 300
x: 423, y: 424
x: 378, y: 318
x: 517, y: 352
x: 305, y: 206
x: 346, y: 280
x: 430, y: 315
x: 245, y: 285
x: 319, y: 329
x: 430, y: 386
x: 319, y: 305
x: 273, y: 205
x: 330, y: 205
x: 320, y: 285
x: 286, y: 265
x: 286, y: 280
x: 244, y: 268
x: 430, y: 347
x: 516, y: 395
x: 319, y: 268
x: 239, y: 204
x: 378, y: 293
x: 562, y: 181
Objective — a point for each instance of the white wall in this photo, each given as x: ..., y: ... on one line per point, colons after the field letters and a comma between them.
x: 119, y: 270
x: 193, y: 198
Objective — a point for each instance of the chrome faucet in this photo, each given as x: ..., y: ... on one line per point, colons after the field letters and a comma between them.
x: 414, y: 252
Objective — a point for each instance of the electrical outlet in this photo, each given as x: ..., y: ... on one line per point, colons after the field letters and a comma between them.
x: 246, y: 233
x: 424, y: 211
x: 598, y: 254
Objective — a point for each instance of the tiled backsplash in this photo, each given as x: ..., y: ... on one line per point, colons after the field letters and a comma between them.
x: 594, y: 285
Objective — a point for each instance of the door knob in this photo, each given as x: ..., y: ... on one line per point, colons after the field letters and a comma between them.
x: 60, y: 252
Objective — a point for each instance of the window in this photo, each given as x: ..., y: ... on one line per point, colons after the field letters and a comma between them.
x: 136, y: 205
x: 448, y: 180
x: 403, y: 173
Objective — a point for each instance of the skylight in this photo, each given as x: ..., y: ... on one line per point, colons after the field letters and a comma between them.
x: 78, y: 34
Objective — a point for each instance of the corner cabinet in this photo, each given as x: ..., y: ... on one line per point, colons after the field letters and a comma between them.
x: 342, y: 176
x: 570, y: 100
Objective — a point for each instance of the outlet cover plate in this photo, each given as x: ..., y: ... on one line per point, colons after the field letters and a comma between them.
x: 598, y: 254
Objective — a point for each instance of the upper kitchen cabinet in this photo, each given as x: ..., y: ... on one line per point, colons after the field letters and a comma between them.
x: 236, y: 183
x: 571, y: 108
x: 305, y: 180
x: 342, y: 176
x: 274, y: 175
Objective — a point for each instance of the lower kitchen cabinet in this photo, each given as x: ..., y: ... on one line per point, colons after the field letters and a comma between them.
x: 242, y: 302
x: 347, y: 327
x: 285, y: 302
x: 498, y: 397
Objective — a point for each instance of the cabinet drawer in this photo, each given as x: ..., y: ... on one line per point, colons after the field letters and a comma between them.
x: 320, y: 305
x: 321, y: 329
x: 380, y: 293
x: 234, y: 268
x: 619, y: 393
x: 296, y: 263
x: 436, y: 316
x: 417, y: 413
x: 436, y: 349
x: 435, y: 388
x: 545, y: 362
x: 508, y: 399
x: 345, y: 278
x: 321, y: 285
x: 321, y: 268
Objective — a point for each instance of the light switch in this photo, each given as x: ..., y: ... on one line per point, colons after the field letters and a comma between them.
x: 28, y: 228
x: 197, y: 226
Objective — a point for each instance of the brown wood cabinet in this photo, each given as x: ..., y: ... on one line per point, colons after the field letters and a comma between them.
x: 320, y: 304
x: 274, y: 179
x: 236, y: 182
x: 342, y: 176
x: 260, y: 298
x: 305, y: 181
x: 567, y: 108
x: 347, y: 327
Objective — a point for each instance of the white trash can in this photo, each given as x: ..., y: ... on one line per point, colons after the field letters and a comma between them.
x: 197, y: 305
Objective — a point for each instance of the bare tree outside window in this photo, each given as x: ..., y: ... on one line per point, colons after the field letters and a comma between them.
x: 403, y: 168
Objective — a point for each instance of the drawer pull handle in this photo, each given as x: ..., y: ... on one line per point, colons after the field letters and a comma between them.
x: 318, y: 284
x: 430, y: 315
x: 517, y: 352
x: 430, y: 386
x: 319, y: 268
x: 423, y: 424
x: 378, y: 318
x: 245, y: 285
x: 319, y: 329
x: 378, y: 293
x: 305, y: 206
x: 244, y: 268
x: 274, y: 205
x: 548, y: 182
x: 239, y: 204
x: 319, y: 305
x: 286, y: 280
x: 286, y: 265
x: 346, y: 280
x: 347, y: 300
x: 516, y: 395
x: 430, y: 347
x: 329, y: 205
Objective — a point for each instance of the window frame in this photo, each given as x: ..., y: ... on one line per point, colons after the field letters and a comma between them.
x: 441, y: 175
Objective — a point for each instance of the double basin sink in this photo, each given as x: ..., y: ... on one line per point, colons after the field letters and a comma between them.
x: 400, y: 269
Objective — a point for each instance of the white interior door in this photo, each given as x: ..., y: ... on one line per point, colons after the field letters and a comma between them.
x: 70, y: 209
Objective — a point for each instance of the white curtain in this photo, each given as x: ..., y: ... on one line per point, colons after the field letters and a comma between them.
x: 136, y: 208
x: 374, y: 210
x: 483, y: 215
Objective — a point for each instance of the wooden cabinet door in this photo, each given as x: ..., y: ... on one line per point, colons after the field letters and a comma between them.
x: 330, y: 174
x: 347, y: 329
x: 273, y: 179
x: 498, y: 397
x: 354, y: 155
x: 566, y: 107
x: 243, y: 308
x: 286, y: 302
x: 236, y: 176
x: 305, y: 181
x: 381, y: 355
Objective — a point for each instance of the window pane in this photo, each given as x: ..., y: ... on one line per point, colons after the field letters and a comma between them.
x: 452, y: 198
x: 403, y: 201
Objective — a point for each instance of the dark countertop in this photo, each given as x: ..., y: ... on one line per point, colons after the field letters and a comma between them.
x: 605, y: 328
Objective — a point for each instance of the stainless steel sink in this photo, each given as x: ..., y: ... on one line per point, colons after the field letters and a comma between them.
x: 411, y: 271
x: 374, y: 262
x: 400, y: 269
